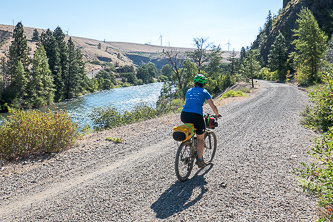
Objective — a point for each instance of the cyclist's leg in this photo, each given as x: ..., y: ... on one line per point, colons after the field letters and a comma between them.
x: 200, y: 145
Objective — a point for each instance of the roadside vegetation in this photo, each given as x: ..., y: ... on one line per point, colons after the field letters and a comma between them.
x: 56, y: 72
x: 31, y: 132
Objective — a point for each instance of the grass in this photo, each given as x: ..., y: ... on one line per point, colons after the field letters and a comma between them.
x: 114, y: 139
x: 232, y: 93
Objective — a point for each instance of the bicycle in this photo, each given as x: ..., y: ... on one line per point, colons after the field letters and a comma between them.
x: 187, y: 152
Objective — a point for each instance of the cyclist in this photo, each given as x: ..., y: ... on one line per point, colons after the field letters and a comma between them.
x: 193, y: 112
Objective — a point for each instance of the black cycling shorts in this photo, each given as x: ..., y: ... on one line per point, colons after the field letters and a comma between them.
x: 196, y: 119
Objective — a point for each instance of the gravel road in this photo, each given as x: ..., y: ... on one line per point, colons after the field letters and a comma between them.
x: 260, y: 141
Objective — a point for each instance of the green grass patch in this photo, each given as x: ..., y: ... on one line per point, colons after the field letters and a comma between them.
x: 232, y: 93
x: 114, y: 139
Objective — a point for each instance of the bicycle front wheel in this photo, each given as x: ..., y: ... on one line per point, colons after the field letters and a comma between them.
x: 184, y: 161
x: 210, y: 146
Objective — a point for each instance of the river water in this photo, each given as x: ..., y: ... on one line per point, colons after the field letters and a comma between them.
x: 121, y: 98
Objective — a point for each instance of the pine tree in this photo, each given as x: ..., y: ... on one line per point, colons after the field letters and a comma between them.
x: 242, y: 54
x: 251, y: 66
x: 35, y: 36
x: 310, y: 45
x: 41, y: 87
x: 277, y: 58
x: 71, y: 83
x: 233, y: 63
x: 76, y: 82
x: 83, y: 80
x: 18, y: 68
x: 329, y: 52
x: 269, y: 23
x: 15, y: 93
x: 64, y: 60
x: 19, y: 50
x: 53, y: 54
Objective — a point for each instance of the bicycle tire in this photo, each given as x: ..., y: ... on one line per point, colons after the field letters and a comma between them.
x: 184, y: 161
x: 210, y: 146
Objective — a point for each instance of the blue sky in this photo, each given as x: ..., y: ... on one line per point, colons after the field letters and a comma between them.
x: 144, y: 21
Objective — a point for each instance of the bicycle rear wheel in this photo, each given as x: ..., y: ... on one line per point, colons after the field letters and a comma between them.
x: 184, y: 161
x: 210, y: 146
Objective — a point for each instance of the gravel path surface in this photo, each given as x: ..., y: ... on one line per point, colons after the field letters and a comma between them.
x: 260, y: 141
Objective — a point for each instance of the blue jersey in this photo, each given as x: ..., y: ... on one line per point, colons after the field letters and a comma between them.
x: 195, y: 98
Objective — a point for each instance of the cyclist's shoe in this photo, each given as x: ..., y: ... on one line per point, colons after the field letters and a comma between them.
x: 201, y: 164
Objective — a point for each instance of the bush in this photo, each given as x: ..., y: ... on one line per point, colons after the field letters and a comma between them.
x: 33, y: 132
x: 105, y: 118
x: 320, y: 116
x: 267, y: 75
x: 302, y: 79
x: 318, y: 177
x: 108, y: 117
x: 96, y: 62
x: 232, y: 93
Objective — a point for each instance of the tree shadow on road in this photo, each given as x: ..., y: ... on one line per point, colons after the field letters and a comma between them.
x: 178, y: 197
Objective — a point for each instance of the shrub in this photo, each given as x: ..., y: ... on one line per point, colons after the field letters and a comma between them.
x: 232, y: 93
x: 96, y: 62
x: 318, y: 177
x: 115, y: 139
x: 32, y: 132
x: 105, y: 118
x: 320, y: 116
x: 108, y: 117
x: 267, y: 75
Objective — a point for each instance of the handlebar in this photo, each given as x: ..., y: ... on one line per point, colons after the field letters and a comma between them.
x: 215, y: 116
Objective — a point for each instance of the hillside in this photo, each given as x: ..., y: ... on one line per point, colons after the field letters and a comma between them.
x: 118, y: 53
x: 285, y: 22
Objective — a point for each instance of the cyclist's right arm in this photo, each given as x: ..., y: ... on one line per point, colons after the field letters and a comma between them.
x: 213, y: 106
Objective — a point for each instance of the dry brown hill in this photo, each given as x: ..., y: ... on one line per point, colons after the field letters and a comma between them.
x: 118, y: 53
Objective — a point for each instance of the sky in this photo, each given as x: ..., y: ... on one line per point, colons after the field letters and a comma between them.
x: 176, y: 22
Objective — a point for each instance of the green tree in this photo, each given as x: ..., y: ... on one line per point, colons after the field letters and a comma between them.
x: 233, y: 63
x: 41, y: 87
x: 53, y: 54
x: 72, y: 77
x: 64, y: 59
x: 167, y: 71
x: 147, y: 72
x: 213, y: 67
x: 329, y: 52
x: 176, y: 60
x: 35, y: 36
x: 242, y: 54
x: 200, y: 55
x: 251, y: 66
x: 19, y: 50
x: 17, y: 89
x: 269, y: 23
x: 106, y: 80
x: 3, y: 75
x: 310, y: 45
x: 277, y: 58
x: 130, y: 77
x: 190, y: 70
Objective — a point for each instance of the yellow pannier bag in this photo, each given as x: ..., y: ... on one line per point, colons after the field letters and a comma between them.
x: 183, y: 132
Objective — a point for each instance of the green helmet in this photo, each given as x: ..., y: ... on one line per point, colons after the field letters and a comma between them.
x: 199, y: 78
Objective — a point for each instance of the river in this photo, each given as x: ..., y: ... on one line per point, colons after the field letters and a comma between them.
x: 121, y: 98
